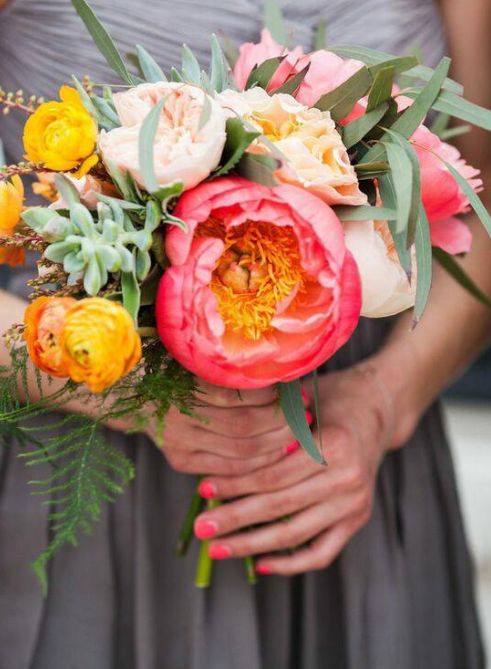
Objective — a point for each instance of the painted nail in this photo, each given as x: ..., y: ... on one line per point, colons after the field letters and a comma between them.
x: 305, y: 397
x: 204, y: 529
x: 309, y: 417
x: 207, y: 490
x: 263, y: 569
x: 291, y: 448
x: 219, y: 552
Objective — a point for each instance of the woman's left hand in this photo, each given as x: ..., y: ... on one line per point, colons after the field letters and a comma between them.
x: 309, y: 507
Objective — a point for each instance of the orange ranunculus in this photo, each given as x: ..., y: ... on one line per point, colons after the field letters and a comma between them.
x: 99, y: 342
x: 62, y: 135
x: 44, y: 319
x: 11, y: 205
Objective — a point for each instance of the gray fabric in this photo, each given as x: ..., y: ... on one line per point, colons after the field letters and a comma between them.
x: 401, y: 593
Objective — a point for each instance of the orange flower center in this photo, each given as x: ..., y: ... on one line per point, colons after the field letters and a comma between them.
x: 259, y: 267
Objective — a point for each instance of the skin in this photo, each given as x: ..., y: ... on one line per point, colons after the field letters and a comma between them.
x: 242, y: 446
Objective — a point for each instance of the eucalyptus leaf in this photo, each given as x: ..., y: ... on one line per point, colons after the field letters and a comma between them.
x: 150, y: 69
x: 219, y: 71
x: 452, y: 104
x: 262, y: 74
x: 388, y: 195
x: 342, y: 99
x: 440, y: 124
x: 320, y: 37
x: 274, y: 22
x: 230, y: 50
x: 107, y: 112
x: 190, y: 68
x: 102, y: 40
x: 402, y: 175
x: 237, y: 142
x: 424, y: 265
x: 291, y: 85
x: 131, y: 294
x: 146, y: 142
x: 456, y: 131
x: 87, y: 102
x: 398, y: 64
x: 258, y: 168
x: 381, y: 90
x: 365, y: 213
x: 293, y: 408
x: 67, y: 190
x: 450, y: 265
x: 355, y: 131
x: 474, y: 199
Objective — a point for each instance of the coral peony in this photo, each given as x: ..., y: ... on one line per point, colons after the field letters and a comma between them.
x: 316, y: 157
x: 44, y: 319
x: 62, y: 135
x: 386, y: 289
x: 99, y: 342
x: 184, y: 150
x: 442, y: 196
x: 261, y: 288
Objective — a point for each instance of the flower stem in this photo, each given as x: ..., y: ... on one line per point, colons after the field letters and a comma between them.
x: 186, y: 533
x: 250, y: 570
x: 205, y: 563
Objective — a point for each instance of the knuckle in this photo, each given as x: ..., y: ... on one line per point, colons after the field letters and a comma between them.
x: 176, y: 461
x: 355, y: 477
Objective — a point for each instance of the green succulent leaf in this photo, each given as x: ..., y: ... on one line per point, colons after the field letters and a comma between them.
x: 92, y: 277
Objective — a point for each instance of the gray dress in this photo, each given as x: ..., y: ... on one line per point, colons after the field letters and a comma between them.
x: 400, y: 596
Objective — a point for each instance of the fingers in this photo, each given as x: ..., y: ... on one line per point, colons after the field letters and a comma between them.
x: 229, y: 397
x: 282, y: 535
x: 283, y: 473
x: 261, y: 508
x: 202, y: 461
x: 318, y: 555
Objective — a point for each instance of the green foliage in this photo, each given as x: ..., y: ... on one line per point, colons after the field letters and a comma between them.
x: 450, y: 265
x: 238, y: 141
x: 292, y: 405
x: 274, y: 22
x: 342, y: 99
x: 150, y: 70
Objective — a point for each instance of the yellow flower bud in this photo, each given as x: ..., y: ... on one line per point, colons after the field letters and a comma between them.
x: 62, y: 135
x: 11, y: 204
x: 100, y: 343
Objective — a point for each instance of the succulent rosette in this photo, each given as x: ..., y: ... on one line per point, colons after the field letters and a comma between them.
x: 261, y: 287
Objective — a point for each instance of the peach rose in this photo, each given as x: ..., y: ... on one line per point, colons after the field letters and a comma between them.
x: 316, y: 157
x: 261, y: 288
x: 183, y: 151
x: 385, y: 287
x: 88, y: 188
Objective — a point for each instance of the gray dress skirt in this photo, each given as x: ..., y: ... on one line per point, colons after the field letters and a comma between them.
x: 401, y: 594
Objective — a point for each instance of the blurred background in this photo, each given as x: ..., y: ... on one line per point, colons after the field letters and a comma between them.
x: 468, y: 418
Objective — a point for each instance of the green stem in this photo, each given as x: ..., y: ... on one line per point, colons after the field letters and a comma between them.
x: 186, y: 533
x: 250, y: 569
x: 205, y: 563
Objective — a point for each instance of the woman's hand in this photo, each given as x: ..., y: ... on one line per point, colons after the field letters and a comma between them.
x: 303, y: 502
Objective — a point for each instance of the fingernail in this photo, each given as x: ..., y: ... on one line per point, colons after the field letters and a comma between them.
x: 207, y: 490
x: 263, y: 570
x: 204, y: 529
x: 305, y: 397
x: 291, y: 448
x: 219, y: 552
x: 309, y: 417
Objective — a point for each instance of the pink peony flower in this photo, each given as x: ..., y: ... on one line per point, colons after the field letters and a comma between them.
x: 261, y: 288
x: 326, y: 72
x: 442, y: 196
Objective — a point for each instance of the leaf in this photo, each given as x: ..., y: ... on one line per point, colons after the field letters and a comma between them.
x: 175, y: 75
x: 219, y: 72
x: 164, y: 195
x: 342, y: 99
x: 320, y: 37
x: 413, y: 116
x: 452, y: 104
x: 230, y: 50
x: 402, y: 176
x: 388, y: 195
x: 262, y: 74
x: 258, y: 168
x: 107, y: 112
x: 291, y: 86
x: 355, y: 131
x: 103, y: 40
x: 191, y: 69
x: 131, y: 294
x: 273, y: 21
x: 474, y: 199
x: 424, y: 265
x: 455, y: 131
x: 440, y: 124
x: 381, y: 90
x: 293, y: 408
x: 124, y: 204
x: 371, y: 170
x: 122, y: 181
x: 450, y: 265
x: 204, y: 117
x: 149, y: 67
x: 67, y: 190
x: 237, y: 142
x: 365, y: 213
x: 372, y: 57
x: 398, y: 65
x: 87, y: 102
x: 146, y: 142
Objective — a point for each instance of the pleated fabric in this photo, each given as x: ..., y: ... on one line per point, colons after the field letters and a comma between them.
x: 400, y: 595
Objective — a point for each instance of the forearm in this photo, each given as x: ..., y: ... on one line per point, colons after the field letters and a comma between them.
x: 416, y: 365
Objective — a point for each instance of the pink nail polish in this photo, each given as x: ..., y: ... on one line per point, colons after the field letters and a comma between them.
x: 305, y: 397
x: 204, y: 529
x: 263, y: 569
x: 207, y: 490
x: 309, y: 417
x: 219, y: 552
x: 291, y: 448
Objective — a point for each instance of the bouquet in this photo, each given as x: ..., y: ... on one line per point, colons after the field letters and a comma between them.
x: 229, y: 226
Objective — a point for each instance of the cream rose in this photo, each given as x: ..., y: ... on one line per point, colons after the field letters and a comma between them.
x: 316, y: 157
x: 386, y: 289
x: 183, y: 150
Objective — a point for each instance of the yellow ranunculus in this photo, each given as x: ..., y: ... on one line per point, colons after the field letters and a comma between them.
x: 11, y: 204
x: 99, y: 342
x: 62, y: 135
